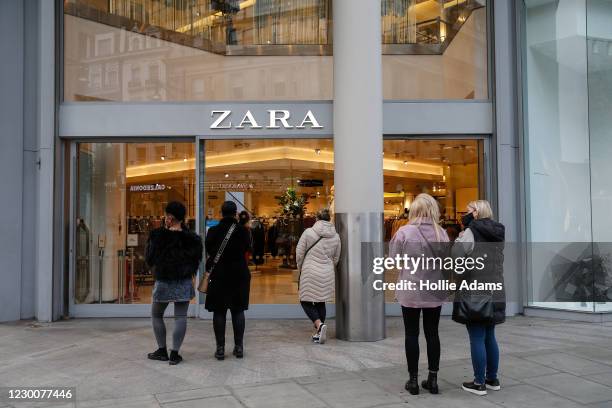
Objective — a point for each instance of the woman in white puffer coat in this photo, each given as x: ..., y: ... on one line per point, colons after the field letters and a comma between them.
x: 317, y: 254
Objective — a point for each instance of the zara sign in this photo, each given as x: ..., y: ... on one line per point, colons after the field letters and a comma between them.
x: 273, y: 119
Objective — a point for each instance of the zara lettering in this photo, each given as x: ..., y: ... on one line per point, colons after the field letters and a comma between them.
x: 277, y: 119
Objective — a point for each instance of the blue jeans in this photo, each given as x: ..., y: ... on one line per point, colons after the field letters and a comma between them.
x: 485, y: 353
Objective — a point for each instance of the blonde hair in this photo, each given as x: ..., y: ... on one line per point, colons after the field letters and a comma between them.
x: 425, y: 207
x: 482, y: 209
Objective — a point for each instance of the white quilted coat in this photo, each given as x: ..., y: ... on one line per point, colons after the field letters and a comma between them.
x: 318, y: 268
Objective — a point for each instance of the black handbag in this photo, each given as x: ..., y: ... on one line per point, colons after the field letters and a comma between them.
x: 474, y: 308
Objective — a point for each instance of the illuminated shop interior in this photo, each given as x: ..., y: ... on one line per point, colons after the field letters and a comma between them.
x: 123, y: 189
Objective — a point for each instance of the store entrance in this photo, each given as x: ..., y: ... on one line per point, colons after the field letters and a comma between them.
x: 450, y: 170
x: 280, y: 184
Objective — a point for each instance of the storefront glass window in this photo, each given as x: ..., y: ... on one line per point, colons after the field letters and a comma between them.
x: 567, y: 138
x: 599, y: 53
x: 122, y: 191
x: 435, y: 49
x: 198, y: 50
x: 210, y: 50
x: 450, y: 170
x: 281, y: 184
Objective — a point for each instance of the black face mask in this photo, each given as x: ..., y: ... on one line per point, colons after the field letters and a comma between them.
x: 467, y: 219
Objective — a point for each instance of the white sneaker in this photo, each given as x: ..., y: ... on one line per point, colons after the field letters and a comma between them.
x: 322, y: 333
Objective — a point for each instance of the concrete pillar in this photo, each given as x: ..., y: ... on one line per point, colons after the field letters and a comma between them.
x: 11, y: 157
x: 507, y: 147
x: 358, y: 176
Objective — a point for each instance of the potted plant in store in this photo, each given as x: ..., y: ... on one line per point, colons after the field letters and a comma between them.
x: 292, y: 208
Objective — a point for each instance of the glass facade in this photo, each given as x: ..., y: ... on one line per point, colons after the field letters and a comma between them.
x: 260, y: 175
x: 450, y: 170
x: 443, y: 54
x: 567, y: 63
x: 208, y: 50
x: 122, y: 191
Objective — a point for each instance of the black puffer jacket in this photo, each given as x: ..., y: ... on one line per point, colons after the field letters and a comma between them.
x: 173, y: 255
x: 489, y: 238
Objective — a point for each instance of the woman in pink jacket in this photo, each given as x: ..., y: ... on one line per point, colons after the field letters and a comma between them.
x: 421, y: 238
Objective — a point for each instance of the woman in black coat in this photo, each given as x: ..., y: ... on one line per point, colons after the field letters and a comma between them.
x: 174, y: 253
x: 481, y: 310
x: 230, y: 280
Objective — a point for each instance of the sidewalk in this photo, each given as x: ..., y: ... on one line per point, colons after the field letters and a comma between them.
x: 545, y: 363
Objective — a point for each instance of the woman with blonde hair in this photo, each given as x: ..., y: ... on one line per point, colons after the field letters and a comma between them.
x: 481, y: 311
x: 421, y: 237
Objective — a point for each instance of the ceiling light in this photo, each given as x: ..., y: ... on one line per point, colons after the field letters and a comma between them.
x: 163, y: 157
x: 226, y: 175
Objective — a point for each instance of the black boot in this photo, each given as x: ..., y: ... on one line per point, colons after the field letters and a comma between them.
x: 412, y: 386
x: 431, y: 383
x: 220, y: 353
x: 161, y: 354
x: 238, y: 351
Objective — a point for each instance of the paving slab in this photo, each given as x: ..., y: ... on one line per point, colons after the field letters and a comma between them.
x: 214, y: 402
x: 605, y: 404
x: 602, y: 378
x: 522, y: 368
x: 574, y: 388
x: 527, y: 396
x: 282, y: 395
x: 455, y: 398
x: 569, y: 363
x: 198, y: 393
x: 356, y: 393
x: 147, y: 401
x: 327, y: 377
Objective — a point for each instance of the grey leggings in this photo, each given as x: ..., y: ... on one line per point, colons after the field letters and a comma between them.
x: 180, y: 323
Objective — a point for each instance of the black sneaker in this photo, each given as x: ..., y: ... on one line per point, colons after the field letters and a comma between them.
x: 478, y: 389
x: 175, y: 358
x: 493, y: 384
x: 161, y: 354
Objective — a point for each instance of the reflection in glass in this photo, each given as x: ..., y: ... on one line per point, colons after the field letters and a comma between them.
x: 599, y: 49
x: 122, y: 191
x: 188, y: 50
x: 567, y: 138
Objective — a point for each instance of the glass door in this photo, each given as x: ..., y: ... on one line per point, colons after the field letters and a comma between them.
x: 266, y: 178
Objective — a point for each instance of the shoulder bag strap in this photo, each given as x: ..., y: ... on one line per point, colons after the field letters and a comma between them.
x: 304, y: 259
x: 222, y: 247
x: 427, y: 241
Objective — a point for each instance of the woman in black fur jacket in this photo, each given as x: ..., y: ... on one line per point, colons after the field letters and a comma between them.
x: 174, y: 254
